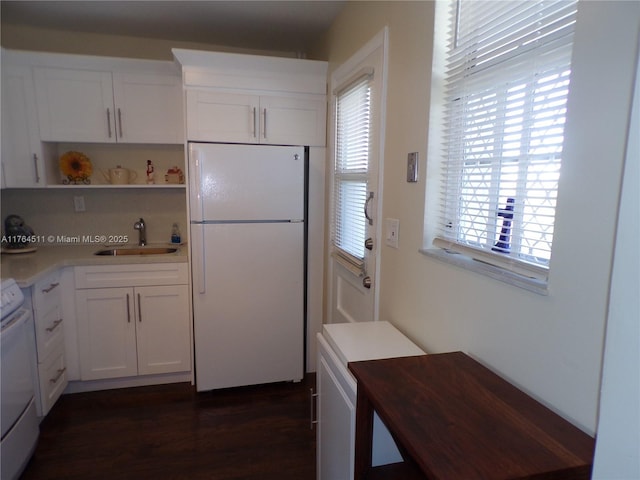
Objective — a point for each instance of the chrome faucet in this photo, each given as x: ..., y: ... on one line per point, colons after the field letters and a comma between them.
x: 142, y: 228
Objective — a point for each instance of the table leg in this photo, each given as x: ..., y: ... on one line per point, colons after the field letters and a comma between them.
x: 364, y: 436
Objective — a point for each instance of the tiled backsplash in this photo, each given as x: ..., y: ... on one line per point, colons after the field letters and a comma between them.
x: 109, y: 211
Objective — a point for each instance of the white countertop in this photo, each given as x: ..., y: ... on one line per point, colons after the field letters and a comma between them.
x: 28, y: 268
x: 359, y: 341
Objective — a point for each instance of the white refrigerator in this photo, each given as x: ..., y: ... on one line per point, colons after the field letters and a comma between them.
x: 247, y: 205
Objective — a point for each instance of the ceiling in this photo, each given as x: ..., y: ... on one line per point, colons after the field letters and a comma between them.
x: 287, y: 26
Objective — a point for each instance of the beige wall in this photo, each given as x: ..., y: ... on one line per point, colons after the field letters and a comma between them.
x: 551, y: 346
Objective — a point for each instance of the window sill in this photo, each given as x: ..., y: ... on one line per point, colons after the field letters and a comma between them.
x: 532, y: 284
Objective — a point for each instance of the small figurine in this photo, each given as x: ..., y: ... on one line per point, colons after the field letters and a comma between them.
x: 150, y: 174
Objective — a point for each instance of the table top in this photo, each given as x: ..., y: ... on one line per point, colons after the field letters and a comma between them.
x: 459, y: 420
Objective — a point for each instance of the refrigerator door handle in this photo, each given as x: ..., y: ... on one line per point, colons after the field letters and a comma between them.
x: 202, y: 280
x: 196, y: 186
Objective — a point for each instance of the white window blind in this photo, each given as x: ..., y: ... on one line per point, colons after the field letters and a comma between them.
x: 353, y: 124
x: 507, y: 80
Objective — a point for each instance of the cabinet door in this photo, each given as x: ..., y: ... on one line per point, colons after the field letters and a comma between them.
x: 222, y: 117
x: 106, y: 333
x: 162, y: 324
x: 22, y: 162
x: 336, y: 426
x: 148, y: 108
x: 75, y: 105
x: 292, y: 121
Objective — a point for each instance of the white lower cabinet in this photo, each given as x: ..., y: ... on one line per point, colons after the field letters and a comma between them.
x: 337, y: 392
x: 44, y: 298
x: 131, y: 330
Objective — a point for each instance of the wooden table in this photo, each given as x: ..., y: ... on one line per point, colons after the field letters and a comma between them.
x: 454, y: 419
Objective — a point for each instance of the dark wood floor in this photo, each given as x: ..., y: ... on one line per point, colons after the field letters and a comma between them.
x: 172, y: 432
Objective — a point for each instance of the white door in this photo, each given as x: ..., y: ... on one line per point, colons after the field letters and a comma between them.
x: 75, y: 105
x: 106, y: 333
x: 148, y: 108
x: 246, y: 182
x: 358, y: 85
x: 222, y: 117
x: 292, y: 121
x: 22, y: 161
x: 248, y: 300
x: 162, y: 329
x: 336, y: 417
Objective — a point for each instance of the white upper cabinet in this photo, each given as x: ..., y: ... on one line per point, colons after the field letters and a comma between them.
x: 254, y: 99
x: 22, y: 159
x: 300, y: 121
x: 105, y: 107
x: 148, y: 108
x: 75, y: 105
x: 225, y: 117
x: 240, y: 118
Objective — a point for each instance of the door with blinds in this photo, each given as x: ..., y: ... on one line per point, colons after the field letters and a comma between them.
x: 358, y: 109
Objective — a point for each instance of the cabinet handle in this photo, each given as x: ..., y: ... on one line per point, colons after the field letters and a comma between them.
x: 35, y: 166
x: 264, y: 125
x: 312, y: 396
x: 254, y: 123
x: 139, y: 310
x: 58, y: 375
x: 120, y: 122
x: 109, y: 122
x: 53, y: 326
x: 51, y: 287
x: 128, y: 310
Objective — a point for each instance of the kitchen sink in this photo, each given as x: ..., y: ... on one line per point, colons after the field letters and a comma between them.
x: 136, y: 251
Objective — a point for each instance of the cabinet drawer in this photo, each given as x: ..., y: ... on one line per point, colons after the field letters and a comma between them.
x: 131, y: 275
x: 49, y: 330
x: 46, y: 292
x: 53, y: 378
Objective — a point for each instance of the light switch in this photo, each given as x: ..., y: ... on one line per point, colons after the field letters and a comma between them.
x: 391, y: 236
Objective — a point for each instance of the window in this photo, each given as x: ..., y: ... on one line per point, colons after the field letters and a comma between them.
x: 507, y: 72
x: 353, y: 132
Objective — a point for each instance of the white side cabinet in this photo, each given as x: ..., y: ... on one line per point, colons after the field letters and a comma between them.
x: 337, y: 392
x: 103, y: 106
x: 242, y: 118
x: 132, y: 320
x: 22, y: 158
x: 45, y: 299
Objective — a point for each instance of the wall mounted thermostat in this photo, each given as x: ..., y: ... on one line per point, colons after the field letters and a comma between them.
x: 412, y: 167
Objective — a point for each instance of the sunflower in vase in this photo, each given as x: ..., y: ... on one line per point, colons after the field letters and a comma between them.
x: 76, y: 168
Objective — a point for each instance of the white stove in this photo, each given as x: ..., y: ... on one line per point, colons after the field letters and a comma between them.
x: 18, y: 421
